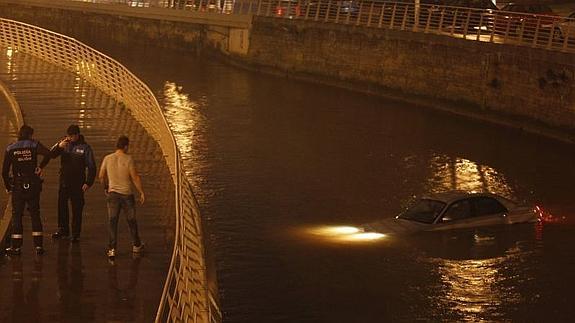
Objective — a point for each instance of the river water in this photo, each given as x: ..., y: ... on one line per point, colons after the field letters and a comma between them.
x: 273, y: 159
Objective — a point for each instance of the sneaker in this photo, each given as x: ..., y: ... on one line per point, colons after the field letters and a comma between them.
x: 39, y: 250
x: 111, y: 254
x: 59, y: 235
x: 138, y: 249
x: 13, y: 251
x: 75, y: 239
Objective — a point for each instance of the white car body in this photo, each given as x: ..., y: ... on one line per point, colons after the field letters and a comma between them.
x: 457, y: 210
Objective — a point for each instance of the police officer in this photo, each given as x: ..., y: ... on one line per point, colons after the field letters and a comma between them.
x: 22, y: 178
x: 76, y: 157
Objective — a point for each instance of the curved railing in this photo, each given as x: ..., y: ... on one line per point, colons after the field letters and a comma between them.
x: 186, y: 296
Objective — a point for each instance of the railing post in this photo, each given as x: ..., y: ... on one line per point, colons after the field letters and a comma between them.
x: 522, y: 31
x: 550, y: 43
x: 428, y: 22
x: 466, y: 26
x: 404, y: 21
x: 507, y: 27
x: 317, y: 10
x: 454, y: 22
x: 288, y: 13
x: 347, y: 18
x: 259, y: 8
x: 492, y: 30
x: 370, y: 14
x: 393, y: 16
x: 337, y: 11
x: 380, y: 23
x: 358, y: 20
x: 416, y: 14
x: 440, y: 25
x: 480, y: 26
x: 536, y: 36
x: 327, y: 10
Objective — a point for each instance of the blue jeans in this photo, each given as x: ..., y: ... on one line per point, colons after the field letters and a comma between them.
x: 116, y: 203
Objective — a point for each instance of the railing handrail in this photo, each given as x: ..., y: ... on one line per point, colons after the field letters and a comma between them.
x: 118, y: 82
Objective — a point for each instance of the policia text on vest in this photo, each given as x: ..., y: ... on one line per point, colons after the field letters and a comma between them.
x: 21, y: 176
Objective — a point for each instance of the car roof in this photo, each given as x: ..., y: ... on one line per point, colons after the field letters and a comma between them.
x: 451, y: 196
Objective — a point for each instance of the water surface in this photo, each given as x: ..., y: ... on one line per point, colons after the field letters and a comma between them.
x: 271, y: 158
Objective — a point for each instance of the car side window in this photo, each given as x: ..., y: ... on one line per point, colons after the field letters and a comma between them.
x: 488, y: 206
x: 457, y: 211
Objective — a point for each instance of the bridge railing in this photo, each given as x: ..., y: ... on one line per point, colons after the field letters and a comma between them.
x: 486, y: 25
x: 186, y: 296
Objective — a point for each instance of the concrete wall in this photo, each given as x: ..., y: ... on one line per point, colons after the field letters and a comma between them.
x: 463, y: 76
x: 519, y: 86
x: 168, y: 28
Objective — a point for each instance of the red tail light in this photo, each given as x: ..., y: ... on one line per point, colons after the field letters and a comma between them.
x: 537, y: 210
x: 547, y: 217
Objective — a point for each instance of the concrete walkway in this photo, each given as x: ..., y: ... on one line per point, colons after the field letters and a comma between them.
x: 75, y: 282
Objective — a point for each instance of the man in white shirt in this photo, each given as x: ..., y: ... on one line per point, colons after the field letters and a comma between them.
x: 117, y: 173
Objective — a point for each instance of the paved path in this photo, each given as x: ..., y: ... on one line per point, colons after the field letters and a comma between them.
x: 75, y: 282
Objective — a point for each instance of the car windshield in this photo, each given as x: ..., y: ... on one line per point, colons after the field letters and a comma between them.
x: 424, y: 211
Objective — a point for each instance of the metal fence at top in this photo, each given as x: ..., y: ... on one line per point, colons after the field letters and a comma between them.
x: 487, y: 25
x: 186, y: 297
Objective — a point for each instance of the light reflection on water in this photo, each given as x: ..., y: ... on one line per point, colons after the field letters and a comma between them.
x: 456, y: 173
x: 182, y: 115
x: 471, y: 286
x: 345, y: 234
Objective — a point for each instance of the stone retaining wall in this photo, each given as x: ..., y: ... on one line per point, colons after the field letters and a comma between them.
x: 455, y: 74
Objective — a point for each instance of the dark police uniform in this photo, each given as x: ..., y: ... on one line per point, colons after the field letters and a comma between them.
x: 74, y: 159
x: 21, y: 158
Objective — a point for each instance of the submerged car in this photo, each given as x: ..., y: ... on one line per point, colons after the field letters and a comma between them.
x: 456, y: 210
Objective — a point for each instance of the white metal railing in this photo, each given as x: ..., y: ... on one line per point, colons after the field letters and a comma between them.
x: 186, y: 297
x: 485, y: 25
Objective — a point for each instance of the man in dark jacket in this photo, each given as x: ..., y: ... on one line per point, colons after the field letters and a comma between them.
x: 76, y: 157
x: 22, y: 178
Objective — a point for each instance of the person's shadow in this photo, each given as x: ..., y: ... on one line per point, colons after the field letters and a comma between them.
x: 26, y: 305
x: 122, y: 299
x: 70, y: 276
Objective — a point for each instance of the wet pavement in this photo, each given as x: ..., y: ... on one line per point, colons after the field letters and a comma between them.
x: 74, y: 282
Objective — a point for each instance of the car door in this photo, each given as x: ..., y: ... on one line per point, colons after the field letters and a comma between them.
x: 488, y: 211
x: 458, y: 214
